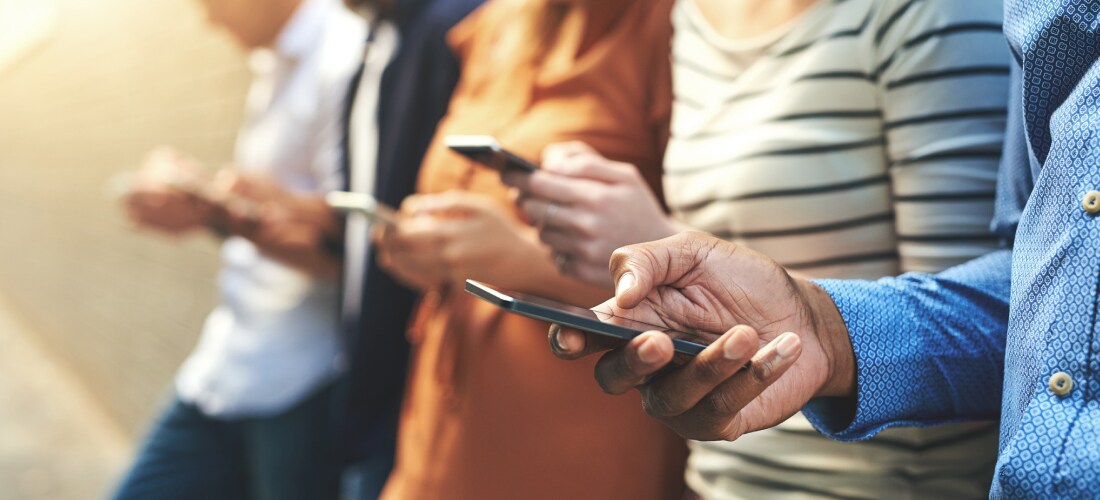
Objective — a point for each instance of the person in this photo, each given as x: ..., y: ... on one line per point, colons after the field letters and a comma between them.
x: 894, y: 172
x: 488, y: 413
x: 253, y: 406
x: 1010, y: 334
x: 407, y: 78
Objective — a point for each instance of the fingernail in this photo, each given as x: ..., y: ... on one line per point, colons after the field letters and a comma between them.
x: 734, y: 348
x: 626, y: 282
x: 648, y: 352
x: 788, y: 346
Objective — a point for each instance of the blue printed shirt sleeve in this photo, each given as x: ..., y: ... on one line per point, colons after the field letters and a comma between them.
x: 929, y: 348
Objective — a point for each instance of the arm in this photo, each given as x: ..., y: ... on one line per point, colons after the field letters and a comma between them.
x: 943, y: 135
x: 935, y: 356
x: 922, y: 349
x: 955, y: 322
x: 854, y: 356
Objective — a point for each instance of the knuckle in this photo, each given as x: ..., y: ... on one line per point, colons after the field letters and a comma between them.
x: 716, y: 406
x: 708, y: 372
x: 760, y: 371
x: 658, y: 404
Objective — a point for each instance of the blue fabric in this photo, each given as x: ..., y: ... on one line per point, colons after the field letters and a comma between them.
x: 189, y: 455
x: 416, y: 89
x: 984, y: 338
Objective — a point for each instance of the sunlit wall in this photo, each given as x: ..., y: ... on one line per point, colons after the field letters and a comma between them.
x: 102, y: 82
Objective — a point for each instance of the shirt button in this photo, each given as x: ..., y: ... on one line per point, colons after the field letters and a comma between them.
x: 1091, y: 202
x: 1061, y: 383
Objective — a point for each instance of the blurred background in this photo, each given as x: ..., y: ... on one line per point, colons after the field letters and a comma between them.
x: 94, y: 317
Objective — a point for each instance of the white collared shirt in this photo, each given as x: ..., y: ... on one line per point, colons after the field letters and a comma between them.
x: 274, y: 337
x: 364, y: 156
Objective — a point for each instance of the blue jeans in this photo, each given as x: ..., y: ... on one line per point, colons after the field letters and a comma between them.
x: 191, y: 456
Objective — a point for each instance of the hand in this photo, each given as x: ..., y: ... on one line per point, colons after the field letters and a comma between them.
x: 445, y: 239
x: 159, y: 199
x: 695, y: 283
x: 296, y: 228
x: 585, y: 206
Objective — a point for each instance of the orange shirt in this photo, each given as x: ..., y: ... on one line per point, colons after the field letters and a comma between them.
x: 490, y: 413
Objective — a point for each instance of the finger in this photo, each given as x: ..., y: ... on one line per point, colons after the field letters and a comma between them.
x: 638, y: 269
x: 568, y: 343
x: 515, y: 177
x: 455, y: 203
x: 562, y: 241
x: 557, y: 188
x: 595, y: 167
x: 683, y: 388
x: 717, y: 416
x: 562, y: 150
x: 408, y: 204
x: 623, y: 369
x: 550, y: 215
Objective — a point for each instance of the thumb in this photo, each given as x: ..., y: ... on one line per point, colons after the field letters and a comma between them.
x: 639, y: 269
x: 633, y: 268
x: 454, y: 203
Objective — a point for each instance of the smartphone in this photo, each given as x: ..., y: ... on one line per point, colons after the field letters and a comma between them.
x: 363, y: 204
x: 485, y: 150
x: 572, y: 316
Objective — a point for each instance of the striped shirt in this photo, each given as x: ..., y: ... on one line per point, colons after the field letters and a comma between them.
x: 860, y: 140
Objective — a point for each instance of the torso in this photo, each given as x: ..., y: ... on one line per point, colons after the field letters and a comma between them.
x: 490, y: 413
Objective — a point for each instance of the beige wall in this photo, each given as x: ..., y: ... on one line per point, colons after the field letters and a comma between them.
x: 116, y: 78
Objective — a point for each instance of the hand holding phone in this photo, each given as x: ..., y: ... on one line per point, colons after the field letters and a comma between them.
x: 485, y: 150
x: 362, y: 204
x: 586, y: 320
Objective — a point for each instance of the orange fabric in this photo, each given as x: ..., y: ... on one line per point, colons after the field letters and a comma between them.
x: 490, y: 413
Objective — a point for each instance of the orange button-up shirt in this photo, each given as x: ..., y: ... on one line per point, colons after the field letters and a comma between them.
x: 490, y: 413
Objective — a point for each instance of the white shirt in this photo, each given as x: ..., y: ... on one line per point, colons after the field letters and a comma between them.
x: 364, y: 157
x: 274, y: 338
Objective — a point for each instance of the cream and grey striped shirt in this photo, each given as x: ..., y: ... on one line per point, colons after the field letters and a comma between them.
x: 858, y: 141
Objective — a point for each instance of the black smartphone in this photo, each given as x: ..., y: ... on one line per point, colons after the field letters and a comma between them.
x: 485, y: 150
x: 572, y: 316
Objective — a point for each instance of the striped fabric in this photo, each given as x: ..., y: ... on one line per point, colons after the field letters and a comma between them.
x: 861, y: 140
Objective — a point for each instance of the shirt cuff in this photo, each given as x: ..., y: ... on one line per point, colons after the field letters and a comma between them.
x: 887, y: 351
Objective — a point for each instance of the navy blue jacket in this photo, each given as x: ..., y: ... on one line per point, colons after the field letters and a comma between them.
x: 416, y: 90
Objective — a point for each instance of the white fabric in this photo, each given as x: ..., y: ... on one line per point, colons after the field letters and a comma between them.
x: 364, y: 157
x: 274, y: 337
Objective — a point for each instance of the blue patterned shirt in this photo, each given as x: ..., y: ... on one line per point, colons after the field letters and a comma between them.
x: 1013, y: 334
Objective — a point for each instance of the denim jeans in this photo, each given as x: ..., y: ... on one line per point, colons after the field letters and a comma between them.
x: 287, y: 456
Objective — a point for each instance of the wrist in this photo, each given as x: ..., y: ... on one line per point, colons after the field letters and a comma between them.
x: 832, y: 334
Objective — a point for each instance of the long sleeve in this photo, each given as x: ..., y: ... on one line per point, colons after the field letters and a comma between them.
x: 930, y: 348
x: 942, y: 72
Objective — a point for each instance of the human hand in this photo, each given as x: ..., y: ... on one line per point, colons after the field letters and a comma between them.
x: 447, y: 238
x: 696, y: 283
x: 585, y: 206
x: 163, y: 194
